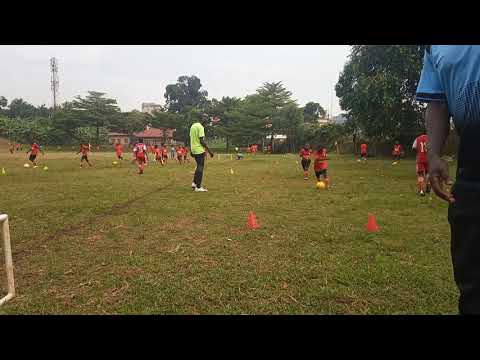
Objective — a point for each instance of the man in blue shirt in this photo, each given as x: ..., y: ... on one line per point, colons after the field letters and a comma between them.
x: 450, y: 84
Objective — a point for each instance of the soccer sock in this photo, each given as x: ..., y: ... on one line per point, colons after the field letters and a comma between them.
x: 305, y: 174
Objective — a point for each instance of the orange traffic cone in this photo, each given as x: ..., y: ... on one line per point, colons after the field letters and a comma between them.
x: 252, y: 221
x: 372, y: 224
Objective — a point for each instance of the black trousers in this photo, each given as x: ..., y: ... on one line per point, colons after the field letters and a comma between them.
x: 197, y: 178
x: 464, y: 219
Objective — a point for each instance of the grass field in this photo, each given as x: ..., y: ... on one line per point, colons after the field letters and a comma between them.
x: 104, y: 240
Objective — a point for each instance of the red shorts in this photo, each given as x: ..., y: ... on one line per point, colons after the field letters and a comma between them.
x: 422, y: 167
x: 158, y: 157
x: 141, y: 159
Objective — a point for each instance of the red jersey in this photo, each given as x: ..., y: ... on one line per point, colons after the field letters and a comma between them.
x: 420, y: 145
x: 363, y: 148
x: 397, y: 149
x: 305, y: 154
x: 35, y: 149
x: 158, y: 153
x: 321, y: 162
x: 140, y: 150
x: 165, y: 151
x: 118, y: 148
x: 84, y: 149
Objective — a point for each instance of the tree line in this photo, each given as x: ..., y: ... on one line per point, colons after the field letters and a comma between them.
x: 376, y: 90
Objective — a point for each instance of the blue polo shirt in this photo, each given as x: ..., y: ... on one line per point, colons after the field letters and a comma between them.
x: 451, y: 74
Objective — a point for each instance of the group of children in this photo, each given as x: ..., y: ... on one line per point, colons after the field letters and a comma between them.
x: 321, y: 165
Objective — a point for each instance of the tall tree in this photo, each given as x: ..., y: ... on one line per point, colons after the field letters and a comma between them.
x: 19, y: 108
x: 312, y: 112
x: 224, y: 110
x: 96, y: 110
x: 3, y: 102
x: 187, y: 92
x: 377, y: 88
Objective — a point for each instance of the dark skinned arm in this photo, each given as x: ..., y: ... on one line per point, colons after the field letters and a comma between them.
x: 204, y: 144
x: 437, y: 121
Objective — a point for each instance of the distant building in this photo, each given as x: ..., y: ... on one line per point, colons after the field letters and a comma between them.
x: 324, y: 121
x: 114, y: 138
x: 155, y: 136
x: 339, y: 119
x: 149, y: 108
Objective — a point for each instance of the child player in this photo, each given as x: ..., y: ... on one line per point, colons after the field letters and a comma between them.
x: 84, y: 149
x: 363, y: 151
x: 420, y: 145
x: 119, y: 151
x: 397, y: 151
x: 141, y: 155
x: 164, y: 153
x: 320, y: 164
x: 158, y: 154
x: 305, y: 155
x: 33, y: 154
x: 185, y: 153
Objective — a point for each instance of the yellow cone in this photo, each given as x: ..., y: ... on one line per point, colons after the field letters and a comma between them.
x: 3, y: 171
x: 231, y: 171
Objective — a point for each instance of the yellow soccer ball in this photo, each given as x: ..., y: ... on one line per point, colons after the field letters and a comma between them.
x: 114, y: 163
x: 321, y: 185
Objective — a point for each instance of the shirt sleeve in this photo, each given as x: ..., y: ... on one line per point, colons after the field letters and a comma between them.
x: 414, y: 146
x: 430, y: 87
x: 201, y: 132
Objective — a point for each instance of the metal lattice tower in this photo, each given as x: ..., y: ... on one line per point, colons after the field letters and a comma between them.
x: 54, y: 80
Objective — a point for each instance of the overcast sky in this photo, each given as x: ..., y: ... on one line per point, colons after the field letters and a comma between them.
x: 136, y: 74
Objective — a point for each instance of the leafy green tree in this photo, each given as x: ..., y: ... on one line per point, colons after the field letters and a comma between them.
x: 19, y: 108
x: 312, y: 112
x: 224, y: 109
x: 129, y: 122
x: 377, y: 89
x: 184, y: 94
x: 3, y: 102
x: 96, y: 110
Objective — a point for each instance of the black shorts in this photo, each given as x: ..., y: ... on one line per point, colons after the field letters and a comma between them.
x: 364, y: 155
x: 306, y: 164
x: 321, y: 172
x: 84, y: 157
x: 32, y: 157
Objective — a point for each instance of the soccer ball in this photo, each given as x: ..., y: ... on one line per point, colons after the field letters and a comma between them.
x: 45, y: 168
x: 359, y: 160
x: 26, y: 165
x: 114, y: 163
x: 321, y: 185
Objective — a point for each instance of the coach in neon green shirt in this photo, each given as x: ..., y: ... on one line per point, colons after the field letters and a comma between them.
x: 198, y: 146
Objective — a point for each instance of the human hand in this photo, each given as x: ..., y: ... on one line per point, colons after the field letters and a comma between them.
x: 439, y: 178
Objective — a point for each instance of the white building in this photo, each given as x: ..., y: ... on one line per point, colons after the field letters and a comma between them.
x: 149, y: 108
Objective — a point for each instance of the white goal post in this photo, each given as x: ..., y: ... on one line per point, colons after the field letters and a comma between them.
x: 7, y: 248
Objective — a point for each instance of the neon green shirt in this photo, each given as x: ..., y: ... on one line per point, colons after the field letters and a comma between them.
x: 196, y: 132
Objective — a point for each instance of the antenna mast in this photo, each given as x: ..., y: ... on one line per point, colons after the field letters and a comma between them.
x: 54, y: 81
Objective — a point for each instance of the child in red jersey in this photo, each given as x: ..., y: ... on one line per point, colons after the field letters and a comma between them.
x: 119, y: 151
x: 185, y: 153
x: 84, y: 149
x: 397, y: 151
x: 363, y: 151
x: 305, y: 154
x: 140, y: 152
x: 164, y: 154
x: 33, y: 154
x: 179, y: 152
x: 320, y: 165
x: 420, y: 145
x: 158, y: 154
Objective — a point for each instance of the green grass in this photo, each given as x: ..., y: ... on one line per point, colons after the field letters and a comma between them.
x: 107, y: 241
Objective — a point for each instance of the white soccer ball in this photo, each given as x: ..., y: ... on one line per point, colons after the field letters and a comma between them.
x: 26, y: 165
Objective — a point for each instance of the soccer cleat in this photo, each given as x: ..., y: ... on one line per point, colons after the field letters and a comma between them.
x: 422, y: 193
x: 305, y: 178
x: 193, y: 186
x: 200, y: 189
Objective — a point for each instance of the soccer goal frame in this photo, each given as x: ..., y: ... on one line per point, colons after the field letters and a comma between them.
x: 7, y: 248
